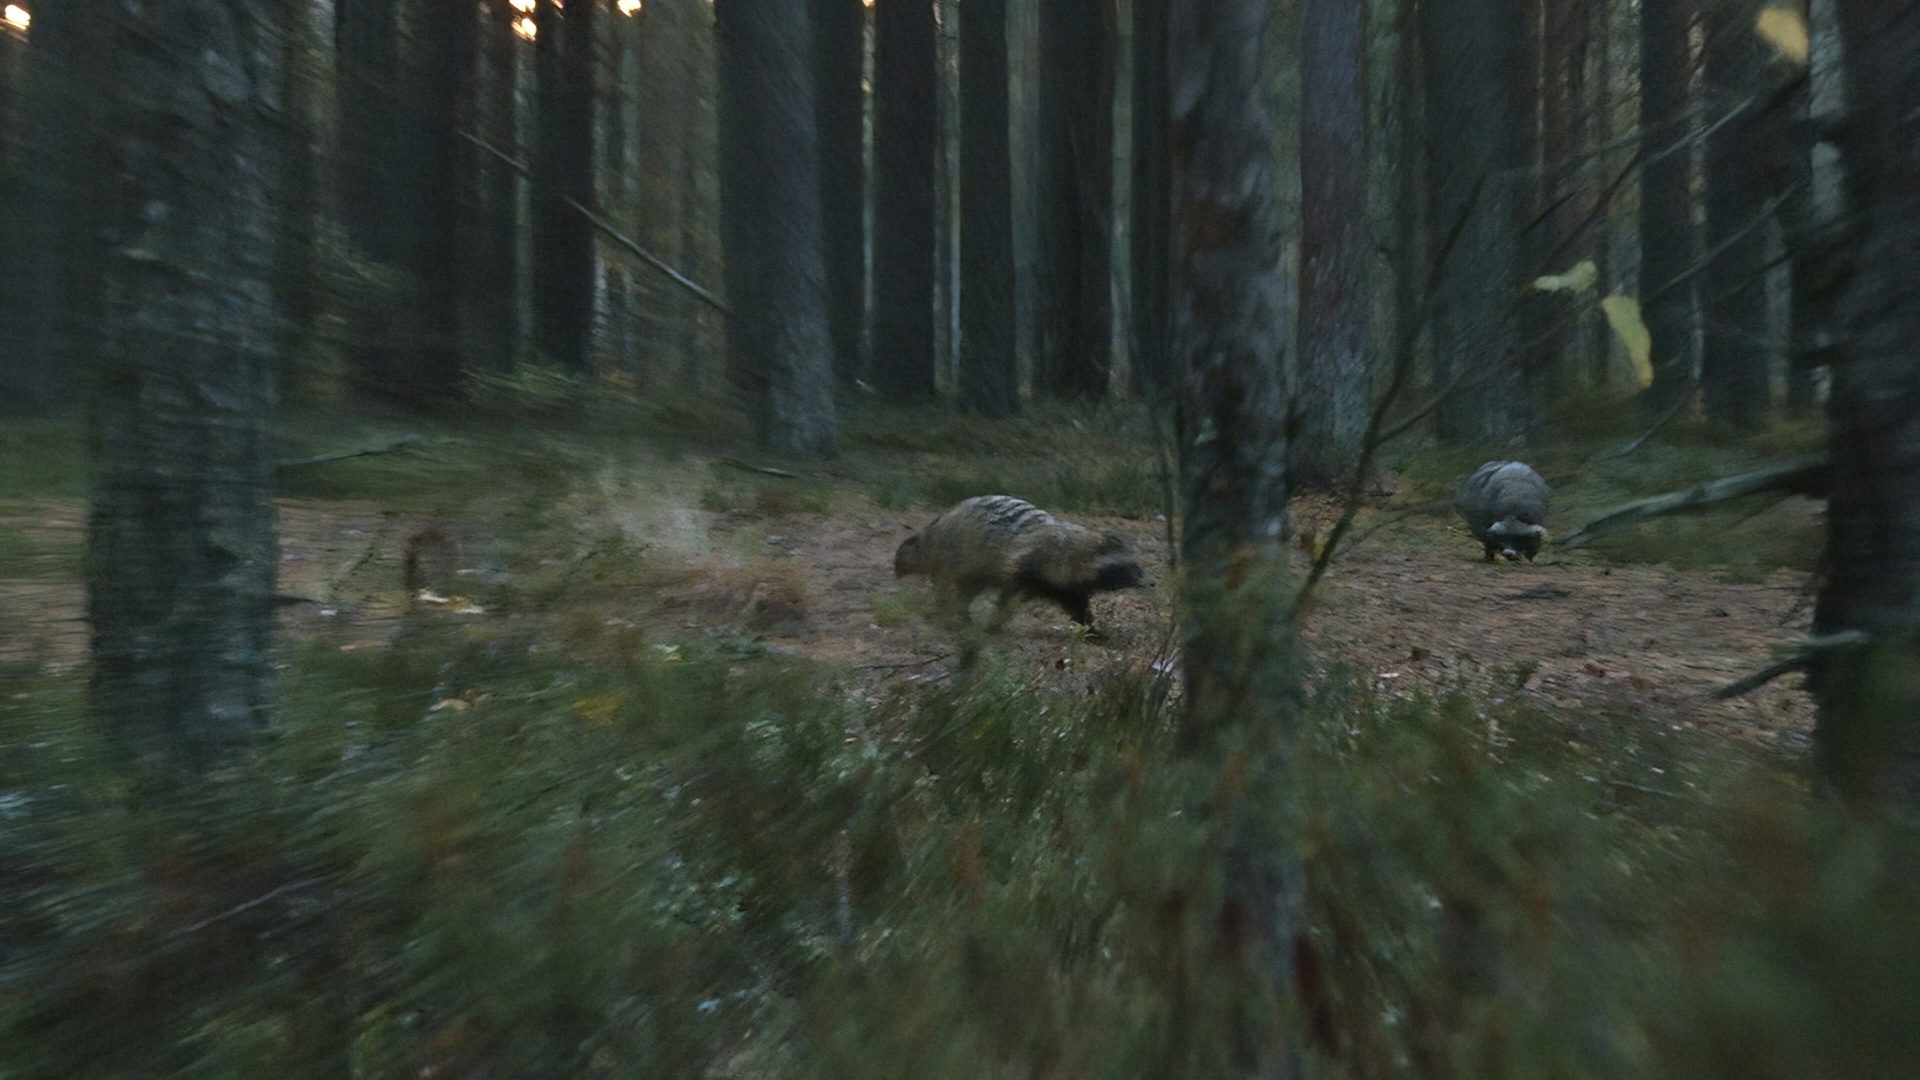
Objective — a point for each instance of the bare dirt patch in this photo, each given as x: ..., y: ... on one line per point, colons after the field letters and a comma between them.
x: 1413, y: 607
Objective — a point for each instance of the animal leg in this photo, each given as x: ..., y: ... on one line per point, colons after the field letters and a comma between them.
x: 1004, y: 606
x: 1079, y: 608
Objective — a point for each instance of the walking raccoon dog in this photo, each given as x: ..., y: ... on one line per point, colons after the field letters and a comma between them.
x: 1505, y: 504
x: 1000, y: 544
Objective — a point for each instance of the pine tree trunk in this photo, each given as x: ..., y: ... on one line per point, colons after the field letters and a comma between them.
x: 1746, y: 158
x: 905, y: 133
x: 1473, y: 66
x: 777, y: 336
x: 1241, y: 689
x: 563, y: 253
x: 1332, y: 378
x: 1075, y: 196
x: 496, y: 234
x: 1669, y: 241
x: 30, y: 374
x: 1556, y: 217
x: 988, y: 375
x: 839, y: 29
x: 1151, y: 265
x: 1868, y: 735
x: 181, y: 552
x: 448, y: 43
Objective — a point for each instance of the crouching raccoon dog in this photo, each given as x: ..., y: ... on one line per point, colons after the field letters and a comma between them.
x: 1505, y: 504
x: 1000, y: 544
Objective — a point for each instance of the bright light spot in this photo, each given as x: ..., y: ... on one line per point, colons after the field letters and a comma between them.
x: 18, y: 17
x: 524, y: 7
x: 525, y: 28
x: 629, y: 7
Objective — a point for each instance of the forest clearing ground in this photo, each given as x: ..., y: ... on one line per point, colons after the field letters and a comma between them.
x: 1413, y: 606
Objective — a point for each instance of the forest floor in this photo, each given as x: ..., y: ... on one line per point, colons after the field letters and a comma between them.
x: 691, y: 546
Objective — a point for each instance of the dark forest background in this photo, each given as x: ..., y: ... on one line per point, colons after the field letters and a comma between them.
x: 451, y: 453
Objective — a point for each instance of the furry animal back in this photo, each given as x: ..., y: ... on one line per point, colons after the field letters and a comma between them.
x: 1505, y: 504
x: 1007, y: 546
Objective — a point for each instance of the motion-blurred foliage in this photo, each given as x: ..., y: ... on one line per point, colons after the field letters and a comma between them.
x: 710, y: 859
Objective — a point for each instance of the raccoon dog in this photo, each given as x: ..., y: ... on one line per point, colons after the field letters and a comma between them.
x: 1505, y: 504
x: 1000, y: 544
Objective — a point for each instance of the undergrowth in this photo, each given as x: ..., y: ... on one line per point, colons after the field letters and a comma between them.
x: 485, y: 851
x: 707, y: 858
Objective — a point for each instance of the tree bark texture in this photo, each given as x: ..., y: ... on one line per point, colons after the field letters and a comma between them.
x: 1230, y: 334
x: 563, y: 256
x: 448, y: 45
x: 1669, y: 240
x: 1151, y: 266
x: 67, y: 88
x: 495, y: 239
x: 31, y: 382
x: 989, y: 377
x: 1749, y: 164
x: 1546, y: 225
x: 905, y: 143
x: 1868, y: 735
x: 181, y: 553
x: 839, y: 59
x: 1332, y: 377
x: 777, y: 335
x: 1473, y: 67
x: 1074, y: 190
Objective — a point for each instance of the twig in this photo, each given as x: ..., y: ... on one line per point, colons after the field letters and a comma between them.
x: 1398, y: 516
x: 270, y: 895
x: 606, y: 227
x: 898, y: 667
x: 1665, y: 419
x: 1802, y: 656
x: 1762, y: 677
x: 736, y: 463
x: 411, y: 442
x: 1402, y: 371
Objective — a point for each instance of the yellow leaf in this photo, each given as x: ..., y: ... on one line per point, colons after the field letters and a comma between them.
x: 1786, y: 30
x: 1623, y: 314
x: 1578, y: 279
x: 598, y: 709
x: 455, y: 704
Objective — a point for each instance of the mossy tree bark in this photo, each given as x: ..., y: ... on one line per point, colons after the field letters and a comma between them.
x: 181, y: 552
x: 1332, y: 378
x: 1074, y: 190
x: 1669, y: 241
x: 1868, y: 734
x: 988, y: 375
x: 840, y: 102
x: 1472, y: 62
x: 1242, y: 697
x: 563, y: 254
x: 1751, y: 156
x: 905, y: 144
x: 778, y: 345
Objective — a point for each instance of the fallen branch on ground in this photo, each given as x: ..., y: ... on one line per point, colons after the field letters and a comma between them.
x: 411, y: 442
x: 1799, y: 658
x: 736, y: 463
x: 1805, y: 477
